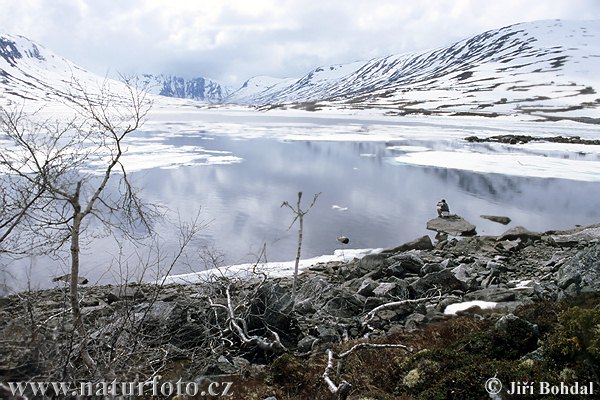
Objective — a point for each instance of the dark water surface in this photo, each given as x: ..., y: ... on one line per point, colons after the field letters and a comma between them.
x: 386, y: 204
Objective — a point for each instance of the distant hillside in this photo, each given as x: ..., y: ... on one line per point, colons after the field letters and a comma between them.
x: 541, y: 68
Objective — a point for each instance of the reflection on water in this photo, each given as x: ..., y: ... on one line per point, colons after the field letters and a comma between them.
x: 387, y: 204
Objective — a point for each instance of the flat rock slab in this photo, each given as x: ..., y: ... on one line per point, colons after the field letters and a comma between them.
x: 586, y: 234
x: 497, y: 218
x: 453, y: 225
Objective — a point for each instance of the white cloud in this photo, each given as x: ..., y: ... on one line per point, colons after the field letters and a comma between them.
x: 232, y: 40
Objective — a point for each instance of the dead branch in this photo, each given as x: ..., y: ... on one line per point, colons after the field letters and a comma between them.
x: 343, y: 389
x: 239, y: 325
x: 240, y: 328
x: 395, y: 304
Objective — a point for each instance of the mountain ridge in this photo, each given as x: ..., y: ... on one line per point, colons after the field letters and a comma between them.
x: 541, y: 68
x: 198, y: 88
x: 533, y: 67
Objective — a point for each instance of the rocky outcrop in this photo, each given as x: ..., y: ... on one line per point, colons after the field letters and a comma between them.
x: 452, y: 225
x: 399, y: 289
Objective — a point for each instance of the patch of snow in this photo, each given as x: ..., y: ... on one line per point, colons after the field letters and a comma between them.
x: 452, y: 309
x: 271, y: 269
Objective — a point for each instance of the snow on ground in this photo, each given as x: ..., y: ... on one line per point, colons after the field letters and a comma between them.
x: 452, y: 309
x: 271, y: 269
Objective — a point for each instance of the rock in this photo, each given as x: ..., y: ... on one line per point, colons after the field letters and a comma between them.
x: 453, y: 225
x: 5, y: 301
x: 519, y: 232
x: 391, y: 289
x: 514, y: 337
x: 159, y: 311
x: 422, y: 243
x: 122, y: 293
x: 240, y: 363
x: 496, y: 218
x: 509, y: 245
x: 373, y: 261
x: 586, y: 265
x: 568, y: 278
x: 372, y: 302
x: 67, y: 278
x: 429, y: 268
x: 573, y: 290
x: 572, y: 239
x: 367, y: 287
x: 4, y: 290
x: 306, y: 344
x: 327, y: 334
x: 406, y: 262
x: 344, y: 305
x: 496, y: 295
x: 461, y: 272
x: 443, y: 280
x: 414, y: 320
x: 450, y: 263
x: 272, y: 306
x: 221, y: 367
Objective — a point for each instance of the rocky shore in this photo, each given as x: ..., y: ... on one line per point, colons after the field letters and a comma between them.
x: 251, y: 331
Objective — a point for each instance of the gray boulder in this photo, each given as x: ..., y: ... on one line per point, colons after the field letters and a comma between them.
x: 519, y: 232
x: 422, y: 243
x: 405, y: 262
x: 582, y: 269
x: 373, y: 261
x: 453, y: 225
x: 430, y: 267
x: 306, y: 344
x: 391, y: 289
x: 367, y: 287
x: 587, y: 234
x: 443, y: 280
x: 495, y: 294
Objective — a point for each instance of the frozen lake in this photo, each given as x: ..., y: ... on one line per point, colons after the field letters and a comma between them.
x: 379, y: 181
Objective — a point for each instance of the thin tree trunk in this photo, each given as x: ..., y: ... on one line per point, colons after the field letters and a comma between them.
x: 74, y: 288
x: 299, y: 250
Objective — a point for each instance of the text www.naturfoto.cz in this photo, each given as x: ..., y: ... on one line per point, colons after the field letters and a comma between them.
x: 115, y: 388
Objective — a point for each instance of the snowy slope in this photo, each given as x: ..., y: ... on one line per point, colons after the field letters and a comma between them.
x: 29, y: 71
x: 259, y: 87
x: 540, y: 68
x: 33, y: 75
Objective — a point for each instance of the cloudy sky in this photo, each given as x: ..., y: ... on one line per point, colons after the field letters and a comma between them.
x: 232, y: 40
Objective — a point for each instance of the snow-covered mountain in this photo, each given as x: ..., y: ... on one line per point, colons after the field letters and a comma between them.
x: 29, y: 71
x: 541, y: 68
x: 200, y: 88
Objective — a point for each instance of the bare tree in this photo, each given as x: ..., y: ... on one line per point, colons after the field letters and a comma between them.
x: 55, y: 176
x: 299, y: 216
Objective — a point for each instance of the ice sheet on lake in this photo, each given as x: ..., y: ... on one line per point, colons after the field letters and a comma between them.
x: 506, y: 164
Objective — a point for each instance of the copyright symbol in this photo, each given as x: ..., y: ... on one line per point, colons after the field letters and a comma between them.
x: 493, y: 385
